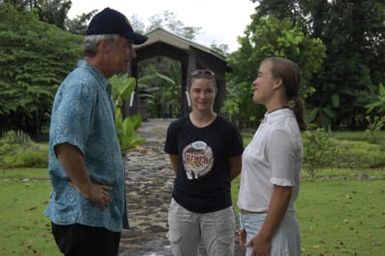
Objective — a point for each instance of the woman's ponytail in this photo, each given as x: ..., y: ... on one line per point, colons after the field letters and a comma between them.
x: 296, y: 104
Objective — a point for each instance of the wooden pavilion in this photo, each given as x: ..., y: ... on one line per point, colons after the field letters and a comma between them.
x: 191, y: 56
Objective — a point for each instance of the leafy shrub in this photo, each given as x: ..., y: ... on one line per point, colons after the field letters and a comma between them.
x: 11, y: 140
x: 353, y: 150
x: 319, y: 151
x: 360, y: 149
x: 18, y: 150
x: 376, y: 124
x: 372, y: 136
x: 382, y: 145
x: 358, y: 154
x: 34, y: 158
x: 5, y: 148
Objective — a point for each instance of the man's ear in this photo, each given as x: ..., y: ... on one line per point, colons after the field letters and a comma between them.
x: 104, y: 46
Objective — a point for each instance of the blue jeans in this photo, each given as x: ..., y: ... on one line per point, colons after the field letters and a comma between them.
x: 286, y: 239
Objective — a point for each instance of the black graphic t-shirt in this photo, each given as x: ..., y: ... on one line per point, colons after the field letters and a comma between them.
x: 202, y: 183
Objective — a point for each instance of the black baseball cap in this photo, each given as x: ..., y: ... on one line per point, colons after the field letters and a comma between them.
x: 110, y: 21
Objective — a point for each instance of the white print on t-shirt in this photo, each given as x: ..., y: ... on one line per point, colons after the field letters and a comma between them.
x: 198, y: 159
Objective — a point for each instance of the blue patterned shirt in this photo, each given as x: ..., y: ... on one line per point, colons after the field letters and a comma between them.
x: 83, y: 115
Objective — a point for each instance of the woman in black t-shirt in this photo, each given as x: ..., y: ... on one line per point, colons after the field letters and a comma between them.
x: 205, y: 152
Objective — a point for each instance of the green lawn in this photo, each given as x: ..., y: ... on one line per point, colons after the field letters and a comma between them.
x: 24, y: 228
x: 342, y: 217
x: 338, y: 216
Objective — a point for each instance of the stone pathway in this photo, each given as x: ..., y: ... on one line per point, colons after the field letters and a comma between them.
x: 149, y: 185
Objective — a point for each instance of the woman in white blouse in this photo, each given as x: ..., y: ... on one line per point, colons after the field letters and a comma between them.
x: 271, y: 164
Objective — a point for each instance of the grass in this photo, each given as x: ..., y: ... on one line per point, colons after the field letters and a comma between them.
x: 343, y: 216
x: 346, y: 174
x: 24, y: 228
x: 341, y: 212
x: 373, y: 136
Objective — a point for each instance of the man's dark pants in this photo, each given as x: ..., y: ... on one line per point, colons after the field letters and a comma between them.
x: 80, y: 240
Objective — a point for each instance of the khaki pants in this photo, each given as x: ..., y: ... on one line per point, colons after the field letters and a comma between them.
x: 187, y: 229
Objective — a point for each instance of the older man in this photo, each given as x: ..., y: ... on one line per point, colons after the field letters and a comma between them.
x: 87, y: 206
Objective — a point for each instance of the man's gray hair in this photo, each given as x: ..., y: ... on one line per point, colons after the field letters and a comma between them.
x: 91, y: 42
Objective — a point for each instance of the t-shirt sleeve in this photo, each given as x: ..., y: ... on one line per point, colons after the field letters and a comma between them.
x: 171, y: 145
x: 235, y: 142
x: 73, y: 114
x: 282, y: 157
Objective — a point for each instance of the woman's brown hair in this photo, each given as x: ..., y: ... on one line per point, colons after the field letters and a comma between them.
x: 290, y: 74
x: 203, y: 73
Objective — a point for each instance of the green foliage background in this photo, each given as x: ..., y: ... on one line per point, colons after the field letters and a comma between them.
x: 34, y: 58
x: 268, y: 37
x: 339, y: 46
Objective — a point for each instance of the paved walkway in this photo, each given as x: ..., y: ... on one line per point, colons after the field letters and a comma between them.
x: 149, y: 184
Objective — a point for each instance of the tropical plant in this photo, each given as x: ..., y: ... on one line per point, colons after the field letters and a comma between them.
x: 324, y: 114
x: 376, y: 114
x: 162, y: 94
x: 377, y: 106
x: 160, y: 85
x: 126, y: 127
x: 127, y: 132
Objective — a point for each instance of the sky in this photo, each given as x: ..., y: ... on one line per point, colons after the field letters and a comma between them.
x: 222, y: 21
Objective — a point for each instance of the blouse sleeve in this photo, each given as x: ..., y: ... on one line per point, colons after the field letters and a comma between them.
x: 282, y: 157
